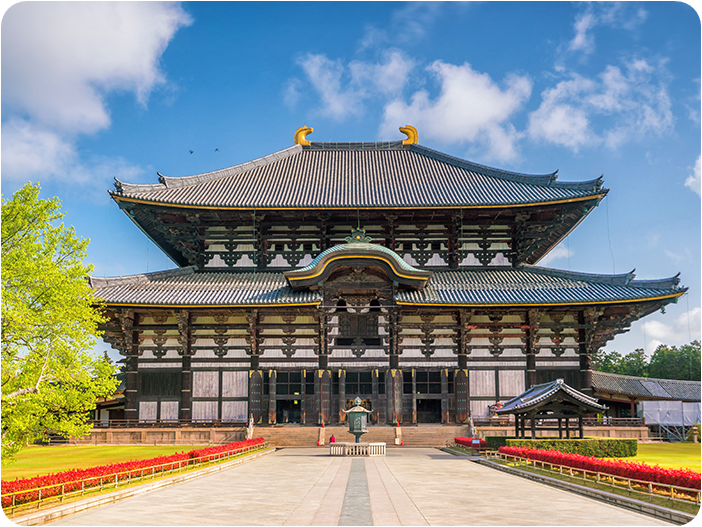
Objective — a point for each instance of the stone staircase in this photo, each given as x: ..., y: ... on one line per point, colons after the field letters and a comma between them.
x: 414, y: 435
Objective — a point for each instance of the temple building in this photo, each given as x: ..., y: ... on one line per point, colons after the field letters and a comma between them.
x: 384, y: 270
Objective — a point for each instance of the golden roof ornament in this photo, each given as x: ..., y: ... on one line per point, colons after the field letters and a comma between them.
x: 411, y: 133
x: 301, y: 133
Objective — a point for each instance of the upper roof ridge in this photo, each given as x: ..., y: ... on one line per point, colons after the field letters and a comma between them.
x: 534, y: 179
x: 166, y: 182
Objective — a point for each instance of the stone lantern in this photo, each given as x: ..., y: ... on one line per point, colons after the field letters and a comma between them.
x: 358, y: 418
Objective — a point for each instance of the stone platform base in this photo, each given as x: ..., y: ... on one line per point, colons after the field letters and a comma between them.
x: 357, y: 449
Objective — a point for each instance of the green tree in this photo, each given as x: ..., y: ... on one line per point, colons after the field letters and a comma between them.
x: 50, y: 376
x: 669, y: 362
x: 633, y: 363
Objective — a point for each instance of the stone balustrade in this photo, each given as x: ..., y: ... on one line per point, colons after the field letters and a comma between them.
x: 357, y: 449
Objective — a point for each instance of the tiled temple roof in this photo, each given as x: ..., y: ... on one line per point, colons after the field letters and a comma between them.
x: 527, y: 285
x: 370, y: 175
x: 656, y: 389
x: 185, y: 287
x: 531, y: 285
x: 540, y: 393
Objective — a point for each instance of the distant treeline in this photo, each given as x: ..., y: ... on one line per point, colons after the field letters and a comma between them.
x: 667, y: 362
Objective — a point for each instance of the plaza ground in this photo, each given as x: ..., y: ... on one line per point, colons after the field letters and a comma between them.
x: 409, y: 486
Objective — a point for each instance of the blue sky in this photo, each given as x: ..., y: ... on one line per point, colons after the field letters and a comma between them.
x: 92, y: 91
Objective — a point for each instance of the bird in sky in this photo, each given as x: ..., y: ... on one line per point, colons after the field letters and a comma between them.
x: 190, y: 151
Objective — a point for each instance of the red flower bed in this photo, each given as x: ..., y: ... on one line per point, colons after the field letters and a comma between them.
x: 468, y: 441
x: 626, y: 469
x: 73, y: 479
x: 236, y: 445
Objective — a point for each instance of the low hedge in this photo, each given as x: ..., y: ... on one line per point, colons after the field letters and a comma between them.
x: 495, y: 442
x: 590, y: 446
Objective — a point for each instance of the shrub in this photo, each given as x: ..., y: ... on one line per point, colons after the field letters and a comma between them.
x: 468, y: 441
x: 495, y: 442
x: 590, y: 446
x: 626, y: 469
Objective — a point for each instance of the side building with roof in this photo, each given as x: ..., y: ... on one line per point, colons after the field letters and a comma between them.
x: 383, y: 270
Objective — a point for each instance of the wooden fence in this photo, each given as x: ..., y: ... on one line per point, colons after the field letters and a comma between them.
x: 113, y: 481
x: 634, y: 486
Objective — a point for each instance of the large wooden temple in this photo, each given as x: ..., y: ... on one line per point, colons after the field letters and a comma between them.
x: 383, y: 270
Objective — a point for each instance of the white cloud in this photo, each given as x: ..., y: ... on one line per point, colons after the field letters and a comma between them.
x: 470, y: 107
x: 621, y: 104
x: 343, y: 89
x: 407, y: 24
x: 693, y: 180
x: 326, y: 77
x: 60, y: 61
x: 558, y: 253
x: 614, y: 15
x: 674, y: 333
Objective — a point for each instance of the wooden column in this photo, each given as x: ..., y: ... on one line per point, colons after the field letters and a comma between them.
x: 185, y: 341
x: 272, y: 410
x: 342, y: 395
x: 444, y: 396
x: 461, y: 390
x: 587, y: 318
x: 256, y: 395
x: 130, y: 348
x: 374, y: 400
x: 533, y: 426
x: 393, y: 395
x: 414, y: 396
x: 322, y: 389
x: 303, y: 393
x: 533, y: 319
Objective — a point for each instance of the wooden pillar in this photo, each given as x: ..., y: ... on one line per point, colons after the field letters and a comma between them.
x: 322, y: 395
x: 393, y: 395
x: 374, y: 397
x: 272, y: 410
x: 567, y: 429
x: 303, y: 393
x: 342, y: 395
x: 256, y: 395
x: 516, y: 426
x: 533, y: 427
x: 461, y: 390
x: 560, y: 428
x: 131, y: 392
x: 533, y: 321
x: 184, y: 339
x: 580, y: 426
x: 414, y: 396
x: 444, y: 396
x: 584, y: 352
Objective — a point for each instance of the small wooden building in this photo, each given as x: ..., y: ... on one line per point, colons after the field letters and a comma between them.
x: 386, y: 270
x: 550, y: 406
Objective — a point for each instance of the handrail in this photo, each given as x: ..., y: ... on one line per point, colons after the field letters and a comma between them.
x: 685, y: 494
x: 145, y: 423
x: 126, y: 477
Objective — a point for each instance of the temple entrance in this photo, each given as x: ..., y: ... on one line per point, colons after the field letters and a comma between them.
x: 428, y: 410
x: 288, y: 411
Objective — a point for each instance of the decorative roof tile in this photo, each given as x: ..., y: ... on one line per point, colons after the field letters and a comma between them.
x: 648, y: 388
x: 530, y: 285
x: 539, y: 393
x: 369, y: 175
x: 184, y: 287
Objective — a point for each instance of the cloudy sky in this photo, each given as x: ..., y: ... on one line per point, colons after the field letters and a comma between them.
x: 93, y: 91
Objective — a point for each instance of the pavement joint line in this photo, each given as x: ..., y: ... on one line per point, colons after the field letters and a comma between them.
x: 624, y: 502
x: 380, y: 503
x: 304, y: 512
x: 54, y: 513
x: 330, y: 507
x: 404, y: 514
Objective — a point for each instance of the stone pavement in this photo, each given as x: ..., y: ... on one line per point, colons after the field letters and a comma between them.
x: 410, y: 486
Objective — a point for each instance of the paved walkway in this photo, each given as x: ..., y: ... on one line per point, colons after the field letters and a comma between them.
x: 410, y: 486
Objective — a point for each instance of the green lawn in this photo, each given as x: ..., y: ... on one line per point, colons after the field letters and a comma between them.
x: 41, y: 460
x: 669, y: 455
